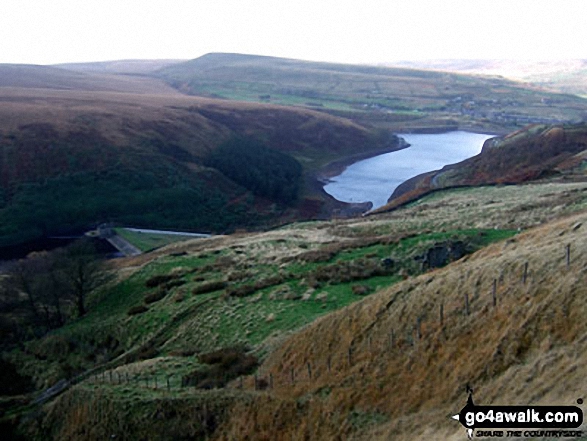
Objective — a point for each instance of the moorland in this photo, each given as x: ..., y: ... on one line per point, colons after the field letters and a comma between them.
x: 302, y: 327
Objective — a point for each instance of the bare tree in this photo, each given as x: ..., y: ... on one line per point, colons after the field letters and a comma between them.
x: 81, y: 271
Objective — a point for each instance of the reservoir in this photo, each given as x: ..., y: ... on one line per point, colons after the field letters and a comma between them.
x: 374, y: 179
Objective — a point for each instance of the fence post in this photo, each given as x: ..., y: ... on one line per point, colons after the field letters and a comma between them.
x: 391, y: 339
x: 419, y: 328
x: 309, y: 371
x: 442, y: 314
x: 467, y: 310
x: 525, y: 276
x: 494, y: 293
x: 350, y: 356
x: 568, y: 255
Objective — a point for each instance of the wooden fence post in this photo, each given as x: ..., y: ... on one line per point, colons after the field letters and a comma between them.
x: 494, y: 293
x: 568, y: 255
x: 525, y: 276
x: 309, y: 371
x: 350, y: 356
x: 442, y: 314
x: 467, y: 310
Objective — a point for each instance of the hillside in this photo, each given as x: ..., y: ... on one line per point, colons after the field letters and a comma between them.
x: 92, y: 80
x: 530, y: 348
x: 73, y: 158
x: 397, y: 98
x: 119, y: 135
x: 305, y: 294
x: 567, y: 76
x: 535, y: 153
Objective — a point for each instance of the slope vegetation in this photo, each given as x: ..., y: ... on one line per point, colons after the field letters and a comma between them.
x: 396, y: 98
x: 73, y: 158
x: 391, y: 367
x: 299, y: 297
x: 535, y: 153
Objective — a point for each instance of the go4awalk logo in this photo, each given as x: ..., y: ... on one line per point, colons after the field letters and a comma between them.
x: 521, y: 421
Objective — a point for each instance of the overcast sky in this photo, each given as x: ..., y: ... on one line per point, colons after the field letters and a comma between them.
x: 350, y: 31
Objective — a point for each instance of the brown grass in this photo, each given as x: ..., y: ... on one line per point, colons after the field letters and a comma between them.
x: 531, y: 349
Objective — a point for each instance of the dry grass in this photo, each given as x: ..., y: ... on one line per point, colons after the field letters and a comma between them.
x: 531, y: 349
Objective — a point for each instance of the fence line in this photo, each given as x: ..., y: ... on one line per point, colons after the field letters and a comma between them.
x: 330, y: 363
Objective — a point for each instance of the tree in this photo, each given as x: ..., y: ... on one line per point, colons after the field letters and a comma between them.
x: 81, y: 271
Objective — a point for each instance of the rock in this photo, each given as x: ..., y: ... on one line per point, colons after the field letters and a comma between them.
x: 322, y: 297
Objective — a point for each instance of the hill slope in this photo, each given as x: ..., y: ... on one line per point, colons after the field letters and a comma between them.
x: 397, y: 98
x: 567, y: 76
x: 149, y: 331
x: 537, y: 152
x: 73, y: 158
x: 529, y: 349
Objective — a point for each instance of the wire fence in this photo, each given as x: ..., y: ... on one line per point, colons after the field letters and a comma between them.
x: 329, y: 364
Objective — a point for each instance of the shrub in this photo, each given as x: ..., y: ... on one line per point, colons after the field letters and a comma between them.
x: 156, y: 296
x: 241, y: 291
x: 225, y: 365
x: 361, y: 290
x: 139, y: 309
x: 209, y: 287
x: 159, y: 279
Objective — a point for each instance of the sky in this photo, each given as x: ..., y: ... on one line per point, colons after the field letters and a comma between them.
x: 347, y: 31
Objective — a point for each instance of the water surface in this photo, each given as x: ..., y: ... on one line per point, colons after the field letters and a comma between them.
x: 375, y: 179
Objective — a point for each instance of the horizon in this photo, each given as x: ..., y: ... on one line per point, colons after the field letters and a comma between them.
x: 378, y: 32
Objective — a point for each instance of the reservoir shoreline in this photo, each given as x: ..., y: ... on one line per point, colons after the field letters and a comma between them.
x: 373, y: 180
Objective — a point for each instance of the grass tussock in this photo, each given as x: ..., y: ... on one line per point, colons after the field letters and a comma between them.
x: 224, y: 365
x: 531, y: 348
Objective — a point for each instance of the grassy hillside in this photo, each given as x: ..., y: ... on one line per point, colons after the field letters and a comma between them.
x: 397, y: 98
x: 536, y: 153
x: 73, y: 158
x: 530, y: 348
x: 567, y: 76
x: 280, y: 293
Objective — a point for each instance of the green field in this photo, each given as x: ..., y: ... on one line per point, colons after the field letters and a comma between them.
x: 375, y: 94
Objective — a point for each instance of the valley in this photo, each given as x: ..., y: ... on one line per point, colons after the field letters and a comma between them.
x: 297, y: 317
